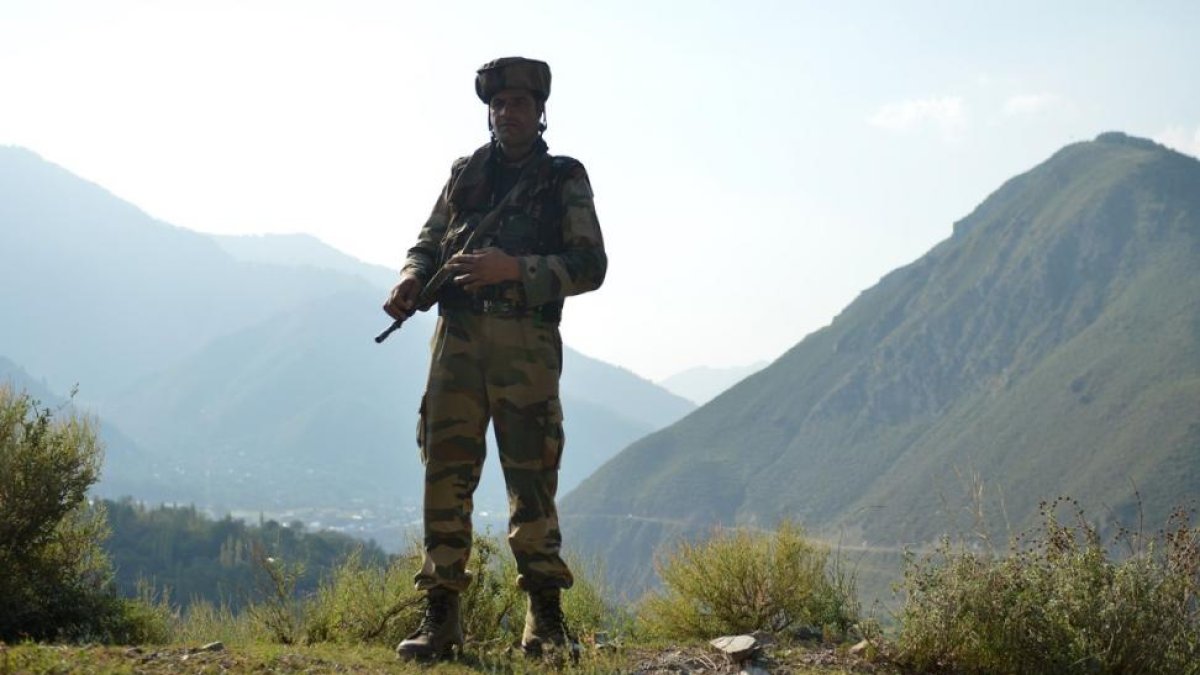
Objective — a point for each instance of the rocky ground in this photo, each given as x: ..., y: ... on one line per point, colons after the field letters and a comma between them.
x: 216, y: 658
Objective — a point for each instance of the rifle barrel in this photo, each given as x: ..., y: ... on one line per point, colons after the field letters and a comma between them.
x: 390, y: 329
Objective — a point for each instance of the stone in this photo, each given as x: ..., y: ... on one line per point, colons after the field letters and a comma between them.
x: 212, y: 647
x: 860, y: 647
x: 737, y: 647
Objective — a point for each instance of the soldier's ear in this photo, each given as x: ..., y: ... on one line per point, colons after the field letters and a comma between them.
x: 542, y: 122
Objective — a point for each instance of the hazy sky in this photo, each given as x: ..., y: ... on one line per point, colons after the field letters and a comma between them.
x: 756, y: 164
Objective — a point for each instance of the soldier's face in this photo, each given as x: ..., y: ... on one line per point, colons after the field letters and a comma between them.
x: 514, y: 114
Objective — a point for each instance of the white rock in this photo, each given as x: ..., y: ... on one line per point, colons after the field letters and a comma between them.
x: 738, y: 647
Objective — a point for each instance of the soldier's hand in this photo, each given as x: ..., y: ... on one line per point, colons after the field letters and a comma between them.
x: 402, y: 302
x: 489, y: 266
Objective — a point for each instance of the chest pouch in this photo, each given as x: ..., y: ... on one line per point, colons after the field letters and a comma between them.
x: 519, y: 234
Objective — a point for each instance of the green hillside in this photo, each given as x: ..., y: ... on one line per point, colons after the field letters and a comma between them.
x: 1051, y: 345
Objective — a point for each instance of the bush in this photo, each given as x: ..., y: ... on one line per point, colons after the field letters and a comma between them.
x: 741, y: 581
x: 1057, y: 603
x: 364, y: 603
x: 57, y: 581
x: 360, y: 602
x: 203, y: 622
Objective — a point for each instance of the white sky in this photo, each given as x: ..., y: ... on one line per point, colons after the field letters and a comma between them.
x: 756, y: 164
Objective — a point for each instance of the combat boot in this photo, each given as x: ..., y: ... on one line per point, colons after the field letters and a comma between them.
x: 545, y: 625
x: 440, y: 630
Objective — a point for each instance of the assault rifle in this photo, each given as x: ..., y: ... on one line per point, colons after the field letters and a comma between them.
x: 430, y: 290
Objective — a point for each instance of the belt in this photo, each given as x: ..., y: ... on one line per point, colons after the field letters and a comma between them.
x: 500, y: 308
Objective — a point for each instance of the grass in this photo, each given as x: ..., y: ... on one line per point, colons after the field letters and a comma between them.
x: 325, y: 658
x: 1060, y: 599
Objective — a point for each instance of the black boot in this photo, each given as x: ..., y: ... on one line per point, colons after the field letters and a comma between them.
x: 545, y: 626
x: 440, y: 630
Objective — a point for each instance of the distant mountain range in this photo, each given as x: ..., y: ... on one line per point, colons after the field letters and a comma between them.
x: 703, y: 383
x: 241, y: 370
x: 99, y: 293
x: 136, y: 466
x: 1050, y: 346
x: 302, y: 250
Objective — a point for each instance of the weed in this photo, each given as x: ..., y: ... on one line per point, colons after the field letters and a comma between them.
x: 1057, y: 602
x: 740, y: 581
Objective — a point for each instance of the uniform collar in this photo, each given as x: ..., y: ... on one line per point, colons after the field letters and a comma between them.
x: 473, y: 187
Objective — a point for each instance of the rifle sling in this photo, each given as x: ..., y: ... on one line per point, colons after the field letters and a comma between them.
x: 429, y: 293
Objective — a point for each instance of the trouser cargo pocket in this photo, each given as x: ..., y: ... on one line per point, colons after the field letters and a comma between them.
x: 552, y: 434
x: 421, y: 434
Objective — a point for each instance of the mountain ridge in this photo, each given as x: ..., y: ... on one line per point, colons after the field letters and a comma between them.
x: 249, y: 381
x: 302, y: 249
x: 101, y: 292
x: 1054, y: 320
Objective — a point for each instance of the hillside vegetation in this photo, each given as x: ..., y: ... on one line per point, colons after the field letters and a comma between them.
x: 1057, y: 601
x: 189, y: 557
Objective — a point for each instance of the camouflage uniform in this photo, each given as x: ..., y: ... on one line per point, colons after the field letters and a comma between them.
x: 497, y: 355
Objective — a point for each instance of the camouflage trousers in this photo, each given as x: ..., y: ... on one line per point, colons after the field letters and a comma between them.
x: 504, y: 369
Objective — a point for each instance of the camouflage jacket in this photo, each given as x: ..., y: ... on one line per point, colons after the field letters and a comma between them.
x: 550, y: 225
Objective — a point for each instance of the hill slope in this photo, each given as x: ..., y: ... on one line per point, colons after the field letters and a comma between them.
x: 301, y: 250
x: 703, y: 383
x: 248, y: 379
x: 99, y: 293
x: 1052, y: 345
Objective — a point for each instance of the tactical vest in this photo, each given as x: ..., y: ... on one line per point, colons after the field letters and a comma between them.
x: 530, y: 225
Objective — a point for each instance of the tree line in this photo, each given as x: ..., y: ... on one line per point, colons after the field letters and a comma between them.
x: 181, y: 551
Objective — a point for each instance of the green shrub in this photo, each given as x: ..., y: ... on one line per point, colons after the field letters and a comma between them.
x: 56, y: 580
x: 494, y: 607
x: 364, y: 603
x: 147, y: 618
x: 1057, y: 602
x: 585, y: 606
x: 740, y: 581
x: 361, y: 602
x: 203, y: 622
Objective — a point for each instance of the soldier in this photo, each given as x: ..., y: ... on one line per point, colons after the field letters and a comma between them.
x: 497, y: 353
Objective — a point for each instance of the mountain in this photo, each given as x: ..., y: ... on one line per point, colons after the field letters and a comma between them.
x: 304, y: 409
x: 702, y: 383
x: 97, y: 292
x: 1050, y: 346
x: 128, y: 469
x: 302, y: 250
x: 589, y: 379
x: 243, y: 369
